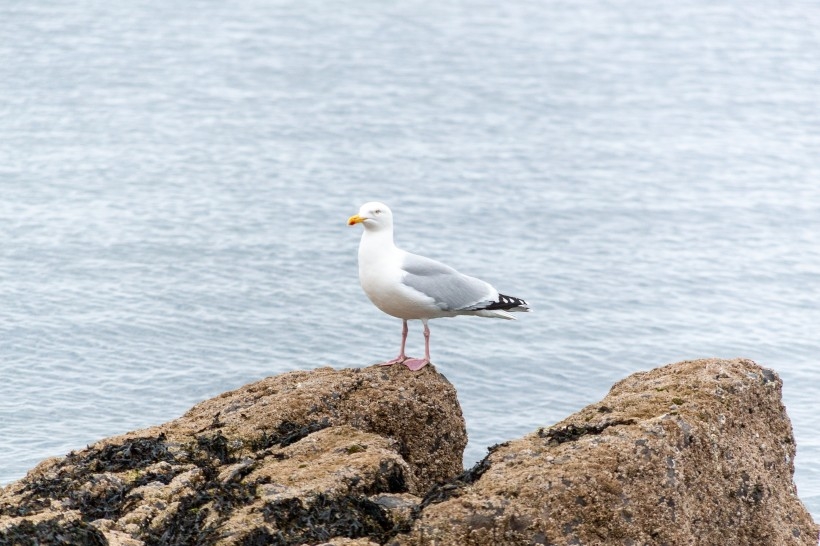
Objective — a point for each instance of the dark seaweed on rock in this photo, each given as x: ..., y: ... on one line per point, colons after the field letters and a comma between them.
x: 287, y: 433
x: 104, y: 498
x: 52, y: 533
x: 131, y: 455
x: 214, y: 446
x: 187, y: 525
x: 626, y: 484
x: 570, y: 433
x: 325, y: 517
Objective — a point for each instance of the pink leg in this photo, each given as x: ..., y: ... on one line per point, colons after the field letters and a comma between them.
x: 416, y: 364
x: 402, y: 357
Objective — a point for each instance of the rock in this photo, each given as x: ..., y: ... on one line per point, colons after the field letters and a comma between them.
x: 325, y: 456
x: 421, y: 412
x: 699, y: 452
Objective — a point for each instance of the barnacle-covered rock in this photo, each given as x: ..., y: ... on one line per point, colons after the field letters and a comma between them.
x: 303, y: 457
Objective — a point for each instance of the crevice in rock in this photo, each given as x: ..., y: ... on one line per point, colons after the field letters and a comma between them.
x: 445, y: 491
x: 570, y: 433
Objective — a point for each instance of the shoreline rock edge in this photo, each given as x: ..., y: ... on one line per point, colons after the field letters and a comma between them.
x: 696, y: 452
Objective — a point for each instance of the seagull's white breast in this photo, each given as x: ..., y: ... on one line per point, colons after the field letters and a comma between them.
x: 381, y: 275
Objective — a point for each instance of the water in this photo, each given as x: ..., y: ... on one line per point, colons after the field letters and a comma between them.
x: 175, y: 180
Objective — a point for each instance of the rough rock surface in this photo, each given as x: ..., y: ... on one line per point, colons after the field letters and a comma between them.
x: 699, y: 452
x: 302, y: 457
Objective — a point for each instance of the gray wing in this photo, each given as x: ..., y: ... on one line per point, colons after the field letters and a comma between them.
x: 451, y: 290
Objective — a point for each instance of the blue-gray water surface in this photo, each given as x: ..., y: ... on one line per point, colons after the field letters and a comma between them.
x: 175, y: 180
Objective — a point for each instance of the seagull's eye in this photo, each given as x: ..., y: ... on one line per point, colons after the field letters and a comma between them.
x: 377, y: 211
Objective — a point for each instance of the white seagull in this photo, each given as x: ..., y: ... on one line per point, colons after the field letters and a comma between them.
x: 409, y: 286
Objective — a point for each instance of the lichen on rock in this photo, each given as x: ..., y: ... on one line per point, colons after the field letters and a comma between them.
x: 698, y: 452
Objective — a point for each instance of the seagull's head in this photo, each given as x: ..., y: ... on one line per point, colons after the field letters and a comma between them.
x: 373, y: 216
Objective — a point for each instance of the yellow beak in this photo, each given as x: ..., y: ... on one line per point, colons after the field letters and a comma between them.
x: 355, y: 219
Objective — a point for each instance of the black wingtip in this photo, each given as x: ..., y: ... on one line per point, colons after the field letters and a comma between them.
x: 508, y: 303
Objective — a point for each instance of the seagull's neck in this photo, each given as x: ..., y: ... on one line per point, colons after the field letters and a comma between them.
x: 382, y: 238
x: 375, y: 246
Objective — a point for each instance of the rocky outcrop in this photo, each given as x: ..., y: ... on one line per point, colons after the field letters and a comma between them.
x: 697, y: 452
x: 297, y: 458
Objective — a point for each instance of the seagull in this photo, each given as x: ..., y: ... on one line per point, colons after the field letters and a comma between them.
x: 412, y: 287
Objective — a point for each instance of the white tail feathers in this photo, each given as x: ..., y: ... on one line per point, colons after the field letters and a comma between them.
x: 496, y: 313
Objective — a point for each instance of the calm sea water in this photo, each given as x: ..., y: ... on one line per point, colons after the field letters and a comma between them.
x: 175, y: 180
